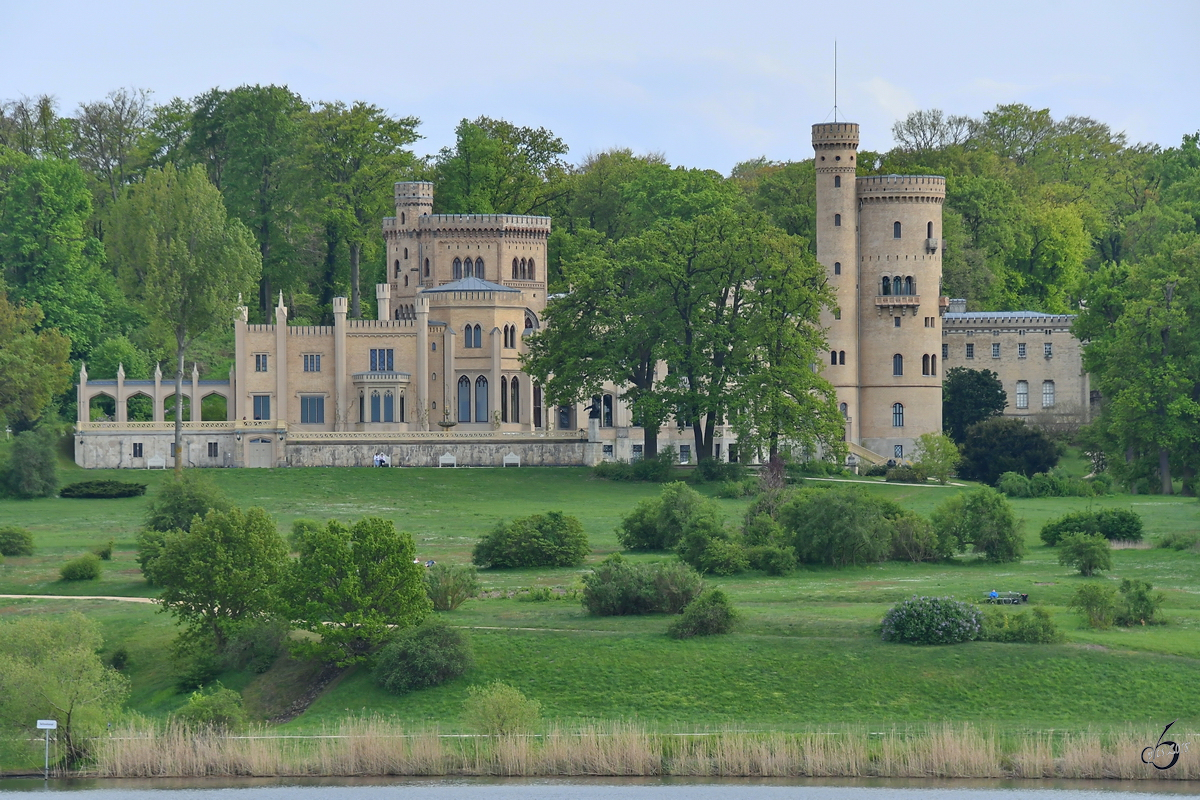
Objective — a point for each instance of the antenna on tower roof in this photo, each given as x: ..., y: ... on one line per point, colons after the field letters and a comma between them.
x: 835, y: 80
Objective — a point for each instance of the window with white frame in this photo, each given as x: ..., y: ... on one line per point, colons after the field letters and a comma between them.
x: 995, y: 349
x: 260, y: 362
x: 1047, y: 394
x: 1048, y: 349
x: 1021, y: 350
x: 897, y: 415
x: 262, y: 406
x: 382, y: 360
x: 1022, y: 394
x: 312, y: 409
x: 312, y: 363
x: 138, y: 450
x: 970, y: 351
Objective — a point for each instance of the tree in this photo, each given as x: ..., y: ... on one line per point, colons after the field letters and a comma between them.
x: 840, y: 527
x: 107, y: 135
x: 184, y: 258
x: 552, y: 539
x: 118, y: 352
x: 49, y: 668
x: 31, y: 464
x: 1096, y: 603
x: 1003, y: 444
x: 31, y: 125
x: 352, y: 586
x: 177, y: 503
x: 33, y: 364
x: 936, y: 455
x: 1089, y: 553
x: 970, y: 396
x: 983, y: 519
x: 223, y: 572
x: 350, y: 157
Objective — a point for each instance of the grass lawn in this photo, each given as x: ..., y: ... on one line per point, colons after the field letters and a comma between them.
x: 808, y: 650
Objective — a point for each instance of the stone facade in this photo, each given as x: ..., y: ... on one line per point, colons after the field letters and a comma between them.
x: 1035, y: 356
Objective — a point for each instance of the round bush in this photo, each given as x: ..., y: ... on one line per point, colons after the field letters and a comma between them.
x: 84, y: 568
x: 428, y: 655
x: 932, y: 620
x: 707, y: 615
x: 1014, y: 484
x: 552, y: 539
x: 772, y: 560
x: 15, y: 541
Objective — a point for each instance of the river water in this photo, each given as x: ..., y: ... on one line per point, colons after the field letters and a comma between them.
x: 599, y: 789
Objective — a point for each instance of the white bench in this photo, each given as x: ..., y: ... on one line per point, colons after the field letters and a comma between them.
x: 512, y: 460
x: 156, y: 462
x: 447, y: 460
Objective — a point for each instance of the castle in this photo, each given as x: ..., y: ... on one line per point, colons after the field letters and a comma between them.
x: 436, y: 379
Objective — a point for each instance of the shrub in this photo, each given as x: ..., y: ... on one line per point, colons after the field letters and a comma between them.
x: 150, y: 545
x: 733, y: 490
x: 31, y: 464
x: 552, y: 539
x: 300, y: 529
x: 1035, y: 628
x: 102, y: 490
x: 1178, y: 540
x: 1096, y: 603
x: 707, y: 545
x: 536, y: 594
x: 657, y: 523
x: 761, y: 530
x: 499, y: 709
x: 618, y: 587
x: 936, y: 456
x: 1139, y: 606
x: 982, y: 519
x: 1004, y: 444
x: 427, y: 655
x: 710, y: 470
x: 913, y: 539
x: 1045, y: 485
x: 256, y: 645
x: 649, y: 470
x: 178, y: 502
x: 1111, y: 523
x: 932, y: 620
x: 104, y: 551
x: 84, y: 568
x: 771, y: 559
x: 839, y: 526
x: 1014, y: 484
x: 119, y: 659
x: 15, y: 541
x: 1089, y: 553
x: 216, y: 708
x: 875, y: 471
x: 1102, y: 484
x: 905, y: 475
x: 707, y: 615
x: 451, y: 585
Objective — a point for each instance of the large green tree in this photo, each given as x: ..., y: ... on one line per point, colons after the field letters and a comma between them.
x: 33, y: 364
x: 970, y: 396
x: 182, y: 256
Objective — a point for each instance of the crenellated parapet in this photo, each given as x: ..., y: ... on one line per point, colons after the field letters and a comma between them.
x: 835, y: 135
x: 901, y: 188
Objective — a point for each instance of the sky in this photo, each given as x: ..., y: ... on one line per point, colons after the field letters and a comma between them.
x: 707, y: 84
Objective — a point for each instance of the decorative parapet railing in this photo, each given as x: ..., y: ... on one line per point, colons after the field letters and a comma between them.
x: 435, y: 436
x: 225, y: 426
x: 897, y: 300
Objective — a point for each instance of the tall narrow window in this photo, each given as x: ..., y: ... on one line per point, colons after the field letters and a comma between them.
x: 929, y: 230
x: 481, y: 399
x: 406, y: 254
x: 1022, y: 394
x: 845, y: 409
x: 478, y: 336
x: 457, y: 268
x: 504, y: 399
x: 908, y: 285
x: 479, y: 268
x: 837, y: 220
x: 887, y: 285
x: 464, y: 399
x: 925, y: 364
x: 362, y: 407
x: 837, y: 181
x: 427, y: 268
x: 842, y: 357
x: 897, y: 364
x: 389, y: 407
x: 564, y: 418
x: 606, y: 419
x: 514, y: 271
x: 833, y: 358
x: 897, y: 415
x: 1047, y: 394
x: 896, y: 230
x: 468, y: 337
x: 375, y: 407
x: 262, y: 406
x: 837, y: 268
x: 531, y: 273
x: 514, y: 404
x: 524, y: 268
x: 537, y: 407
x: 1021, y: 350
x: 933, y: 365
x: 397, y: 268
x: 970, y: 351
x: 401, y: 217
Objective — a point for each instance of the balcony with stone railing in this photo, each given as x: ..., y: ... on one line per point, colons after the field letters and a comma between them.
x: 897, y: 300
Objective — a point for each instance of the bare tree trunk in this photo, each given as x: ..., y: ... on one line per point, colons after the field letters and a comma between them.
x: 649, y: 441
x: 179, y: 344
x: 1164, y: 470
x: 355, y: 299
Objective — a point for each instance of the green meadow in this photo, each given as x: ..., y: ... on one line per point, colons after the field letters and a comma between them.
x: 807, y: 652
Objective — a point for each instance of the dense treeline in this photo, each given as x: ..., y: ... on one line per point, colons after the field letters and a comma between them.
x: 1041, y: 213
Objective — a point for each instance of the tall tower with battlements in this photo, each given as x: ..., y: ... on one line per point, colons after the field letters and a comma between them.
x: 879, y: 239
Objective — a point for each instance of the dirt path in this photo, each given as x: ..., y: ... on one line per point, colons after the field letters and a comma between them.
x: 76, y: 597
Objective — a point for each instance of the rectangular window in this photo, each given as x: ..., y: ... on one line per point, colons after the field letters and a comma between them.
x: 608, y: 451
x: 1047, y: 394
x: 637, y: 453
x: 995, y: 350
x: 945, y: 352
x: 898, y: 450
x: 382, y: 361
x: 262, y: 406
x: 685, y: 454
x: 213, y: 450
x: 260, y: 362
x: 137, y: 450
x: 970, y: 351
x: 895, y: 322
x: 312, y: 363
x: 1022, y: 394
x: 1048, y: 350
x: 312, y: 410
x: 1021, y: 350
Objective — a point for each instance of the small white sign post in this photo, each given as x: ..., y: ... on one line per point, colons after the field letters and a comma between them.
x: 47, y: 725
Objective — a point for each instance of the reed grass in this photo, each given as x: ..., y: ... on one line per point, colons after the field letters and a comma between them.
x: 372, y: 746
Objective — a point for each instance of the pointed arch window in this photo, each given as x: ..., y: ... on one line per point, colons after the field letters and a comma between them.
x: 397, y: 268
x: 531, y: 274
x: 514, y: 277
x: 897, y: 285
x: 481, y: 399
x: 406, y: 254
x: 479, y: 267
x: 514, y: 404
x: 458, y: 273
x: 897, y: 415
x: 845, y: 409
x: 427, y: 268
x: 464, y: 399
x: 375, y: 407
x: 478, y: 336
x: 897, y: 364
x: 389, y: 407
x: 895, y: 230
x: 504, y: 399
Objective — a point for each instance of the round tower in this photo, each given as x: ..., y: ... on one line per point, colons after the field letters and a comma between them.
x: 414, y: 199
x: 836, y: 145
x: 899, y: 273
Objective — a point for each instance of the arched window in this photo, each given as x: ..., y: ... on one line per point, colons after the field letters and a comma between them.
x: 564, y: 418
x: 908, y: 285
x: 837, y: 268
x: 837, y: 181
x: 833, y: 357
x: 521, y: 271
x: 362, y: 407
x: 837, y: 220
x: 468, y: 339
x: 845, y: 409
x: 389, y: 407
x: 929, y: 230
x: 887, y: 285
x: 401, y: 217
x: 427, y: 268
x: 537, y: 407
x: 897, y: 415
x: 842, y: 357
x: 530, y: 275
x: 897, y: 364
x: 504, y: 399
x: 895, y: 230
x: 457, y: 268
x: 464, y: 399
x: 528, y: 323
x: 514, y: 277
x: 406, y: 280
x: 606, y: 412
x: 933, y: 365
x: 481, y: 399
x: 375, y: 407
x: 397, y: 268
x: 514, y: 404
x: 396, y: 314
x: 897, y: 285
x: 406, y: 254
x: 478, y: 336
x: 479, y: 268
x: 925, y: 364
